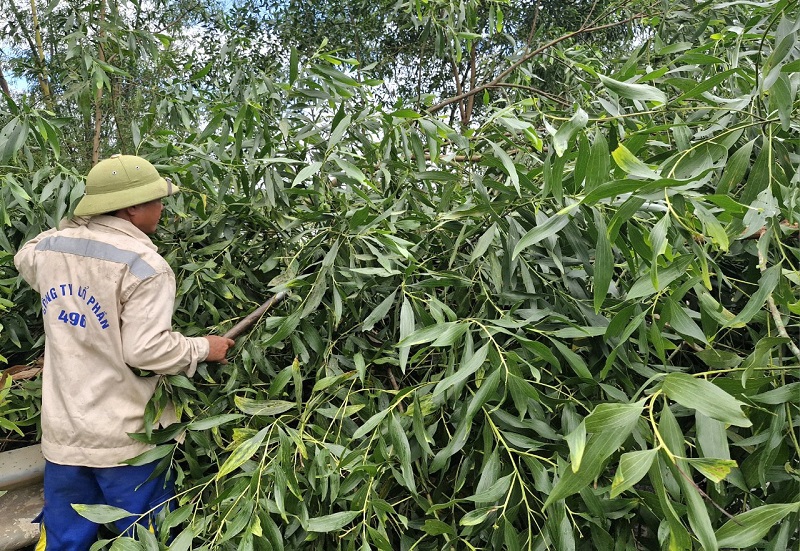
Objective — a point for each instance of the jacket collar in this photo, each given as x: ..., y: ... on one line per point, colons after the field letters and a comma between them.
x: 111, y: 224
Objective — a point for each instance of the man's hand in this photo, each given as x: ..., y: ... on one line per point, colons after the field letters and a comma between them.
x: 218, y: 348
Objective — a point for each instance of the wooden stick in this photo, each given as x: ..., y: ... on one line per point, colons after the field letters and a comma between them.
x: 254, y: 316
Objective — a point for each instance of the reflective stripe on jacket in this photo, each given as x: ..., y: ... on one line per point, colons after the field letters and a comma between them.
x: 107, y: 302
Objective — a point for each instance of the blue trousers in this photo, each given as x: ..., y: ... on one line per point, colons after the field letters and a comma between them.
x: 126, y: 487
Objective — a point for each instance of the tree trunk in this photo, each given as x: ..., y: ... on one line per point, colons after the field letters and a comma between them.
x: 4, y: 84
x: 42, y: 72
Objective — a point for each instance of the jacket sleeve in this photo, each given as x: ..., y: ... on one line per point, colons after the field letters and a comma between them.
x: 25, y: 259
x: 148, y: 341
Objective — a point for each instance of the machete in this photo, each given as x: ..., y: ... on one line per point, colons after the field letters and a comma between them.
x: 254, y: 316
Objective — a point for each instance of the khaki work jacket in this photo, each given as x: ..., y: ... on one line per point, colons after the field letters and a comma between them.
x: 107, y: 303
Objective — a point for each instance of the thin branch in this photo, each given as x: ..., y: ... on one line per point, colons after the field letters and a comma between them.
x: 775, y: 313
x: 98, y: 94
x: 533, y: 89
x: 459, y: 89
x: 36, y: 53
x: 473, y: 75
x: 533, y: 25
x: 439, y: 106
x: 706, y: 496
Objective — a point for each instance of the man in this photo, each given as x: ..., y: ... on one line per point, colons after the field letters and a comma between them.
x: 107, y: 304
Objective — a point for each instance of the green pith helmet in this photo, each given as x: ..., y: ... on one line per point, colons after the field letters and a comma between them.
x: 122, y: 181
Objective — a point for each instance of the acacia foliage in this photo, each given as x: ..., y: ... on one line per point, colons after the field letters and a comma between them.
x: 557, y: 328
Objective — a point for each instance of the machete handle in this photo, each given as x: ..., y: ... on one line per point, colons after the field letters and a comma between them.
x: 254, y: 316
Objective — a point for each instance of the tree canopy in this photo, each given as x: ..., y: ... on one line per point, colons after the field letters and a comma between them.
x: 542, y: 262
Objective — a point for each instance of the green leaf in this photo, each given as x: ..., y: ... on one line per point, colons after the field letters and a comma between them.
x: 371, y: 423
x: 610, y: 427
x: 613, y: 417
x: 577, y: 363
x: 262, y: 407
x: 445, y: 330
x: 306, y: 173
x: 495, y: 492
x: 213, y: 421
x: 680, y: 321
x: 766, y: 284
x: 508, y: 164
x: 760, y: 357
x: 568, y: 130
x: 705, y: 397
x: 633, y: 466
x: 407, y: 324
x: 378, y: 313
x: 483, y: 243
x: 338, y: 132
x: 402, y: 451
x: 550, y: 227
x: 630, y: 164
x: 714, y: 469
x: 630, y: 90
x: 468, y: 367
x: 100, y: 514
x: 434, y: 527
x: 781, y: 395
x: 151, y: 455
x: 712, y: 226
x: 477, y: 516
x: 748, y: 528
x: 603, y: 263
x: 330, y: 523
x: 576, y: 440
x: 242, y: 453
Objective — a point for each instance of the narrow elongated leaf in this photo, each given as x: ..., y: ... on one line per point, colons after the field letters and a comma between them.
x: 680, y: 321
x: 749, y: 528
x: 761, y: 356
x: 628, y: 162
x: 430, y: 333
x: 469, y: 367
x: 714, y: 469
x: 611, y: 427
x: 338, y: 132
x: 495, y: 492
x: 633, y: 466
x: 477, y: 516
x: 330, y: 523
x: 371, y: 423
x: 782, y: 395
x: 766, y: 284
x: 553, y: 225
x: 508, y: 164
x: 632, y: 90
x: 434, y: 527
x: 568, y: 130
x: 603, y: 263
x: 407, y: 324
x: 100, y: 514
x: 379, y: 312
x: 306, y: 173
x: 576, y: 440
x: 577, y: 363
x: 262, y: 407
x: 402, y: 451
x: 613, y: 417
x: 242, y: 453
x: 483, y: 243
x: 705, y: 397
